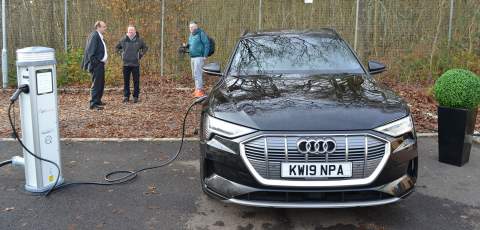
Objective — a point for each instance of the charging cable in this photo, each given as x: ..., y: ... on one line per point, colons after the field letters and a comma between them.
x: 7, y: 162
x: 21, y: 89
x: 128, y: 175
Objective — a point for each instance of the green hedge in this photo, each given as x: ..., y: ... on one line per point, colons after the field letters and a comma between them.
x: 69, y: 70
x: 458, y: 88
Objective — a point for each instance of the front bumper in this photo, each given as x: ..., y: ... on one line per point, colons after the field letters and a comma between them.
x: 240, y: 194
x: 228, y: 178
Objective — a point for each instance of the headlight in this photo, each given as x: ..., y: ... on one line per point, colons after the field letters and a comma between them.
x: 223, y: 128
x: 397, y: 128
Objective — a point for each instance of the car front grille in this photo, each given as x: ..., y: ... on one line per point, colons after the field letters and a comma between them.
x: 266, y: 153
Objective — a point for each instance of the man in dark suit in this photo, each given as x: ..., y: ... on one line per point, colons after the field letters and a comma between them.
x: 94, y: 60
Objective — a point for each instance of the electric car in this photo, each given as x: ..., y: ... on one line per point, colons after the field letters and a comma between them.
x: 296, y: 121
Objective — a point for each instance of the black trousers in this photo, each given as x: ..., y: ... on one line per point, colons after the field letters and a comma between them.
x: 98, y: 84
x: 127, y: 71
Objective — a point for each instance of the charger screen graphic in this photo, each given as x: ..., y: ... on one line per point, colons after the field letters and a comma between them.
x: 297, y: 121
x: 44, y: 81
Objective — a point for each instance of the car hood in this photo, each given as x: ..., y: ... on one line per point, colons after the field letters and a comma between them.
x: 306, y: 102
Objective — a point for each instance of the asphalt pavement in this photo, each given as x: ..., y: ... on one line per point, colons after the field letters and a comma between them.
x: 446, y: 197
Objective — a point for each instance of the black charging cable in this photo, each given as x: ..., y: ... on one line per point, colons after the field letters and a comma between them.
x: 130, y: 175
x: 21, y: 89
x: 7, y: 162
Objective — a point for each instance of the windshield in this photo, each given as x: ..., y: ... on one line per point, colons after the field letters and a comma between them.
x: 290, y: 54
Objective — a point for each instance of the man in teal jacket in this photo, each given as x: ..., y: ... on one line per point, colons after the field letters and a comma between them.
x: 199, y: 48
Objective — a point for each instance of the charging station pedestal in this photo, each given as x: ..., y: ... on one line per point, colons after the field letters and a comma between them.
x: 36, y: 67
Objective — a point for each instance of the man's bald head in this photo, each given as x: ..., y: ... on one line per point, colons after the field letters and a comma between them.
x: 100, y: 26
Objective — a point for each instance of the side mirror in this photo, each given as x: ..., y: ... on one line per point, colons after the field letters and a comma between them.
x: 375, y: 67
x: 212, y: 69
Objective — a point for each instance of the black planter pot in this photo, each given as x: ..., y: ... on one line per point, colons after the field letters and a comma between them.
x: 455, y: 129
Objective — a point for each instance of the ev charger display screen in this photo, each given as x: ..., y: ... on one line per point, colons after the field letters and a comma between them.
x: 44, y: 81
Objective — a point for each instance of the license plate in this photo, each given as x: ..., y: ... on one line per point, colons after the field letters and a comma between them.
x: 312, y: 170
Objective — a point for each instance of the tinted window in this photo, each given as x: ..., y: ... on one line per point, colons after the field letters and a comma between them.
x: 293, y: 54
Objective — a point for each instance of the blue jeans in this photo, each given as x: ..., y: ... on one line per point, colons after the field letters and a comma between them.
x: 197, y: 64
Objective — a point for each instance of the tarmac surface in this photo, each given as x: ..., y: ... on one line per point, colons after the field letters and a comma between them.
x: 446, y: 197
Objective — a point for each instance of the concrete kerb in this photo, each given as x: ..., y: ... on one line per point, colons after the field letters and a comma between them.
x: 117, y: 139
x: 427, y: 134
x: 475, y: 139
x: 86, y: 90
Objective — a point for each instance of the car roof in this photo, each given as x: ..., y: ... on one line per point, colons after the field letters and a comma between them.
x: 323, y: 32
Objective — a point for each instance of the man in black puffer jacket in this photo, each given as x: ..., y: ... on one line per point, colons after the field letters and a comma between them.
x: 132, y: 48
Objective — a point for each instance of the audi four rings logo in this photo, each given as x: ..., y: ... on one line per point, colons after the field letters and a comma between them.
x: 316, y: 146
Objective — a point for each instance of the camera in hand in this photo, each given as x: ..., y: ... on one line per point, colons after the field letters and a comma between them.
x: 183, y: 49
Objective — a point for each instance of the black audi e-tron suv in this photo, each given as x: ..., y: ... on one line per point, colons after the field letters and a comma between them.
x: 296, y: 121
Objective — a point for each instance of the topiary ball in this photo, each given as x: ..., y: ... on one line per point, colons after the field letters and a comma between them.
x: 458, y: 88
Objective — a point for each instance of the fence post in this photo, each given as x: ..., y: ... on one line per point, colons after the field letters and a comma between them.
x: 356, y: 26
x: 4, y: 48
x: 260, y: 15
x: 450, y: 22
x: 162, y: 39
x: 65, y: 14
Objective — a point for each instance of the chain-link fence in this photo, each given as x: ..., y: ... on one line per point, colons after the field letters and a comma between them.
x: 386, y: 30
